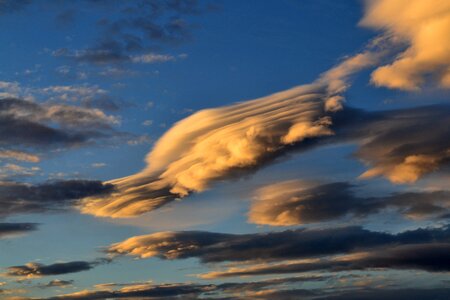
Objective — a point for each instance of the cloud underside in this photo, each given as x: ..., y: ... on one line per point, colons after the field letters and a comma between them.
x: 13, y: 229
x: 296, y: 202
x: 24, y: 198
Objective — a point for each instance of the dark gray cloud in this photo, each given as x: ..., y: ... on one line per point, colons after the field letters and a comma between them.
x: 389, y: 294
x: 434, y: 257
x: 22, y: 198
x: 142, y: 27
x: 32, y: 269
x: 27, y: 124
x: 402, y: 145
x: 296, y: 202
x: 290, y: 244
x: 11, y: 229
x: 191, y: 290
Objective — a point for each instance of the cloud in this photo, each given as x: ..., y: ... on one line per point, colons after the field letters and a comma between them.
x: 31, y: 124
x: 216, y: 144
x: 433, y: 257
x: 140, y: 28
x: 23, y: 198
x: 404, y: 145
x: 19, y: 156
x: 13, y: 229
x: 291, y: 244
x: 58, y: 283
x: 33, y: 270
x: 296, y: 202
x: 235, y: 290
x: 424, y: 26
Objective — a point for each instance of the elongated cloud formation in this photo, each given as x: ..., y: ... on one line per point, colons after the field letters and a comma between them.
x: 32, y: 270
x: 429, y: 257
x: 24, y: 198
x: 215, y: 144
x: 425, y: 27
x: 291, y: 244
x: 12, y: 229
x: 296, y: 202
x: 192, y: 290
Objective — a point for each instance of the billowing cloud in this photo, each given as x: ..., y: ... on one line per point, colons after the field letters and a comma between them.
x: 216, y: 144
x: 22, y: 198
x: 424, y: 26
x: 12, y: 229
x: 291, y: 244
x: 296, y: 202
x: 33, y: 270
x: 404, y: 145
x: 433, y: 257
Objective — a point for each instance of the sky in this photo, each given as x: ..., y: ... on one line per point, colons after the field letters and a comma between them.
x: 194, y: 149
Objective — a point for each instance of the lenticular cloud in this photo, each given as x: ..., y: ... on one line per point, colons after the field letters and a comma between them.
x: 215, y: 144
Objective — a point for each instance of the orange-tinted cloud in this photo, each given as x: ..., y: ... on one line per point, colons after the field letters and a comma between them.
x: 424, y: 26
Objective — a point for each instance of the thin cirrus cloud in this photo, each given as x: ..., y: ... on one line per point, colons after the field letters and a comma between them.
x: 424, y: 26
x: 296, y: 202
x: 216, y: 144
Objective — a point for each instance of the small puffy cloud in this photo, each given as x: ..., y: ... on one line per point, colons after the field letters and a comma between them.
x: 98, y: 165
x: 19, y: 156
x: 424, y: 26
x: 58, y: 283
x: 152, y: 58
x: 14, y: 229
x: 33, y: 270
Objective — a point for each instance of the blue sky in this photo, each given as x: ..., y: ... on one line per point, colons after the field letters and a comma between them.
x: 109, y: 80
